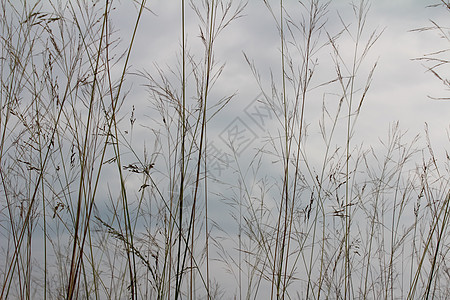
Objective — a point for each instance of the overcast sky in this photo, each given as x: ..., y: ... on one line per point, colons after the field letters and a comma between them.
x: 399, y: 91
x: 400, y: 86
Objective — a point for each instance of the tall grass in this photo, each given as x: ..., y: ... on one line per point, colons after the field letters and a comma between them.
x: 86, y: 213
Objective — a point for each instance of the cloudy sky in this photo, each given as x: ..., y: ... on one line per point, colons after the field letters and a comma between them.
x: 400, y: 86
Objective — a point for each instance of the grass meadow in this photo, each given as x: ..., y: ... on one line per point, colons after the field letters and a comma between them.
x: 99, y: 202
